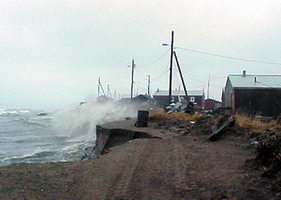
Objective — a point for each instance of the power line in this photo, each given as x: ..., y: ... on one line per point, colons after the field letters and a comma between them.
x: 155, y: 60
x: 204, y: 77
x: 137, y: 84
x: 230, y: 57
x: 162, y: 74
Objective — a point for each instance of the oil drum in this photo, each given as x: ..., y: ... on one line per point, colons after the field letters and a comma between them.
x: 142, y: 118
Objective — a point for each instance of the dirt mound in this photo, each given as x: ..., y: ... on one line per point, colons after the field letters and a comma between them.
x: 269, y: 156
x: 265, y: 136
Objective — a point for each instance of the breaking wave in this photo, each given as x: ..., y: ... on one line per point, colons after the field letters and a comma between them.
x: 58, y: 136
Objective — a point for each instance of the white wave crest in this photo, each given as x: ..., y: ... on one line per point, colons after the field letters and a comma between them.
x: 82, y: 120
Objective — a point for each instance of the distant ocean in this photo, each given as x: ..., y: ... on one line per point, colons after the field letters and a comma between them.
x: 42, y: 136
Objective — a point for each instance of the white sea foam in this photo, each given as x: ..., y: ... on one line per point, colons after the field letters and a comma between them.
x: 3, y: 112
x: 24, y: 111
x: 27, y: 155
x: 82, y: 120
x: 12, y: 112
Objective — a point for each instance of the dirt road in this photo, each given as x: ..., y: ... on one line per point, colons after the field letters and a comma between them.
x: 183, y: 167
x: 178, y: 168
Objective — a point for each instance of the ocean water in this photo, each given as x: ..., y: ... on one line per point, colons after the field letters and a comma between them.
x: 28, y: 137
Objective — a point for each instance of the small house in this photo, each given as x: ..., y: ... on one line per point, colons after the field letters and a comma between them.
x: 253, y: 94
x: 212, y: 104
x: 195, y: 96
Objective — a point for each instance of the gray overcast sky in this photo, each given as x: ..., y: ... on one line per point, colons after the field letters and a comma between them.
x: 53, y: 51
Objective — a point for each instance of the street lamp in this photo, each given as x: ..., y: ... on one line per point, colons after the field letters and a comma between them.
x: 171, y: 65
x: 168, y: 45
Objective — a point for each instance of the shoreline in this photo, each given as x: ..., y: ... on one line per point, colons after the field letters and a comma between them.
x: 178, y: 166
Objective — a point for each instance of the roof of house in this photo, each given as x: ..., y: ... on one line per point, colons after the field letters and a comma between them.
x: 179, y: 93
x: 216, y: 101
x: 255, y: 81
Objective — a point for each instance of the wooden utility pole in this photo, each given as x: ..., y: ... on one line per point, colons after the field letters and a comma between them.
x: 99, y: 87
x: 148, y: 85
x: 178, y: 64
x: 108, y: 91
x: 132, y: 83
x: 171, y: 68
x: 208, y: 93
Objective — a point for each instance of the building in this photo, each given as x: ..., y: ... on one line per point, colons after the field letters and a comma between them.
x: 195, y: 96
x: 253, y: 94
x: 211, y: 104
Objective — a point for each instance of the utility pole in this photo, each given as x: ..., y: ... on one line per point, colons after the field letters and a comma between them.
x: 99, y: 87
x: 171, y: 68
x: 137, y: 92
x: 148, y: 85
x: 208, y: 92
x: 108, y: 91
x: 132, y: 83
x: 178, y: 64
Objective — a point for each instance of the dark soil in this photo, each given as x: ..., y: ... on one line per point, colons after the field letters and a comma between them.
x: 269, y: 157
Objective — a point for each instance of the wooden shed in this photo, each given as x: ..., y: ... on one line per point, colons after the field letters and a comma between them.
x: 253, y: 94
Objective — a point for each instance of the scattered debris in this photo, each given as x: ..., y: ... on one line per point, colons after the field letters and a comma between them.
x: 253, y: 142
x: 221, y: 125
x: 179, y: 107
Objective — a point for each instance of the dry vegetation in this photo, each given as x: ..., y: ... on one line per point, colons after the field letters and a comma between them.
x: 254, y: 124
x: 176, y: 116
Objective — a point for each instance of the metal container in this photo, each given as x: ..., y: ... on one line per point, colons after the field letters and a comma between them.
x: 142, y: 118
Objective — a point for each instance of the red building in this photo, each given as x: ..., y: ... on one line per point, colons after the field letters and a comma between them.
x: 211, y: 104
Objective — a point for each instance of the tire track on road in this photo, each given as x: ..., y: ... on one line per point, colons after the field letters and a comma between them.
x: 151, y: 174
x: 120, y: 188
